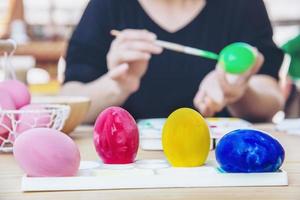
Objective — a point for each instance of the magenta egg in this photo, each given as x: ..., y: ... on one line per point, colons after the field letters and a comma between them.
x: 116, y: 136
x: 18, y: 91
x: 44, y: 152
x: 3, y: 136
x: 6, y: 103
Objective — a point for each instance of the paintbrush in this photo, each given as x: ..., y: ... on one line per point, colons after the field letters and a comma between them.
x: 181, y: 48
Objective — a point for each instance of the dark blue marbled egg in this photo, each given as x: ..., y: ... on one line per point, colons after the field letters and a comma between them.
x: 249, y: 151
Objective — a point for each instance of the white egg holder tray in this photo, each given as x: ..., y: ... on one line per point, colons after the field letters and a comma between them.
x: 151, y: 131
x: 94, y: 175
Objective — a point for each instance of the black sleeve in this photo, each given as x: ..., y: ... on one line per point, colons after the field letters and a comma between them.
x: 88, y: 46
x: 256, y: 29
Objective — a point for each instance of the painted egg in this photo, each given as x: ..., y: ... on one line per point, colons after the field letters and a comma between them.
x: 6, y: 103
x: 44, y: 152
x: 3, y: 137
x: 237, y: 58
x: 186, y: 138
x: 249, y: 151
x: 116, y: 136
x: 32, y: 119
x: 18, y: 91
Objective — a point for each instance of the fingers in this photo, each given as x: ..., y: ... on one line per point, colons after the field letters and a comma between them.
x: 132, y: 45
x: 254, y: 69
x: 227, y: 80
x: 198, y: 99
x: 242, y: 78
x: 223, y: 88
x: 135, y: 45
x: 115, y: 58
x: 141, y: 46
x: 139, y: 40
x: 133, y: 51
x: 221, y: 75
x: 118, y: 72
x: 199, y: 103
x: 259, y: 62
x: 129, y: 56
x: 206, y: 105
x: 135, y: 34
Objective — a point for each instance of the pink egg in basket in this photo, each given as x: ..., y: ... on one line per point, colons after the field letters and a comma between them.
x: 39, y: 117
x: 116, y: 136
x: 6, y: 103
x: 34, y: 116
x: 44, y: 152
x: 18, y: 91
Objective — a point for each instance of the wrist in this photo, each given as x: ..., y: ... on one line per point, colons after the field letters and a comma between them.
x: 129, y: 86
x: 124, y: 86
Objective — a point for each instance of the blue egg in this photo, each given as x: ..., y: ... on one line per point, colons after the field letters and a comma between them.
x: 249, y: 151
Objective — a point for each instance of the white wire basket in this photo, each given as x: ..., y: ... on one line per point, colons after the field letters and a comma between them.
x: 15, y: 122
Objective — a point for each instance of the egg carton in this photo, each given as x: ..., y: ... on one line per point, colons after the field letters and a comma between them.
x: 51, y: 116
x: 94, y: 175
x: 151, y: 130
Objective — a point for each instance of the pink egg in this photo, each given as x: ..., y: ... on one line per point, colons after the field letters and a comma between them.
x: 116, y: 136
x: 29, y: 120
x: 18, y: 91
x: 44, y: 152
x: 3, y: 136
x: 6, y: 103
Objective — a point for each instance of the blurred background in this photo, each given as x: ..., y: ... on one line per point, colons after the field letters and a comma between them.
x: 42, y: 29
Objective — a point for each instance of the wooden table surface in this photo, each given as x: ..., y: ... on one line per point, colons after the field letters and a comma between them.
x: 10, y: 178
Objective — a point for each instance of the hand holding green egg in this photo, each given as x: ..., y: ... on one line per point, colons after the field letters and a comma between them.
x: 237, y: 58
x: 236, y: 64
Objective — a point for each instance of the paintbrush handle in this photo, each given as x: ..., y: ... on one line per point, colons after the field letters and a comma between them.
x: 180, y: 48
x: 170, y: 46
x: 187, y: 50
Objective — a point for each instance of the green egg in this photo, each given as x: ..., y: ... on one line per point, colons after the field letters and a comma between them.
x: 237, y: 58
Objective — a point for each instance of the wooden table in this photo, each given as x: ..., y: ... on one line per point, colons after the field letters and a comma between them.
x: 10, y: 178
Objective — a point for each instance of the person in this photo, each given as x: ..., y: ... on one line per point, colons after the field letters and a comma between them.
x: 131, y: 71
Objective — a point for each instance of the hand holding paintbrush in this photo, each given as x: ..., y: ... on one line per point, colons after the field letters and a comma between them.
x: 235, y: 58
x: 214, y: 90
x: 128, y: 57
x: 180, y: 48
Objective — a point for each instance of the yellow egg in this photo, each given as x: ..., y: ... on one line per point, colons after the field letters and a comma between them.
x: 186, y: 138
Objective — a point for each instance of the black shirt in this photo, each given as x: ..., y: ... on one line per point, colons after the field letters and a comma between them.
x: 172, y: 79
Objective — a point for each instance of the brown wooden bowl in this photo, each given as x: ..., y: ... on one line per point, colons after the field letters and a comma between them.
x: 79, y: 108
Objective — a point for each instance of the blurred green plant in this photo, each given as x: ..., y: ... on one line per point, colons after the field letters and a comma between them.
x: 292, y: 48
